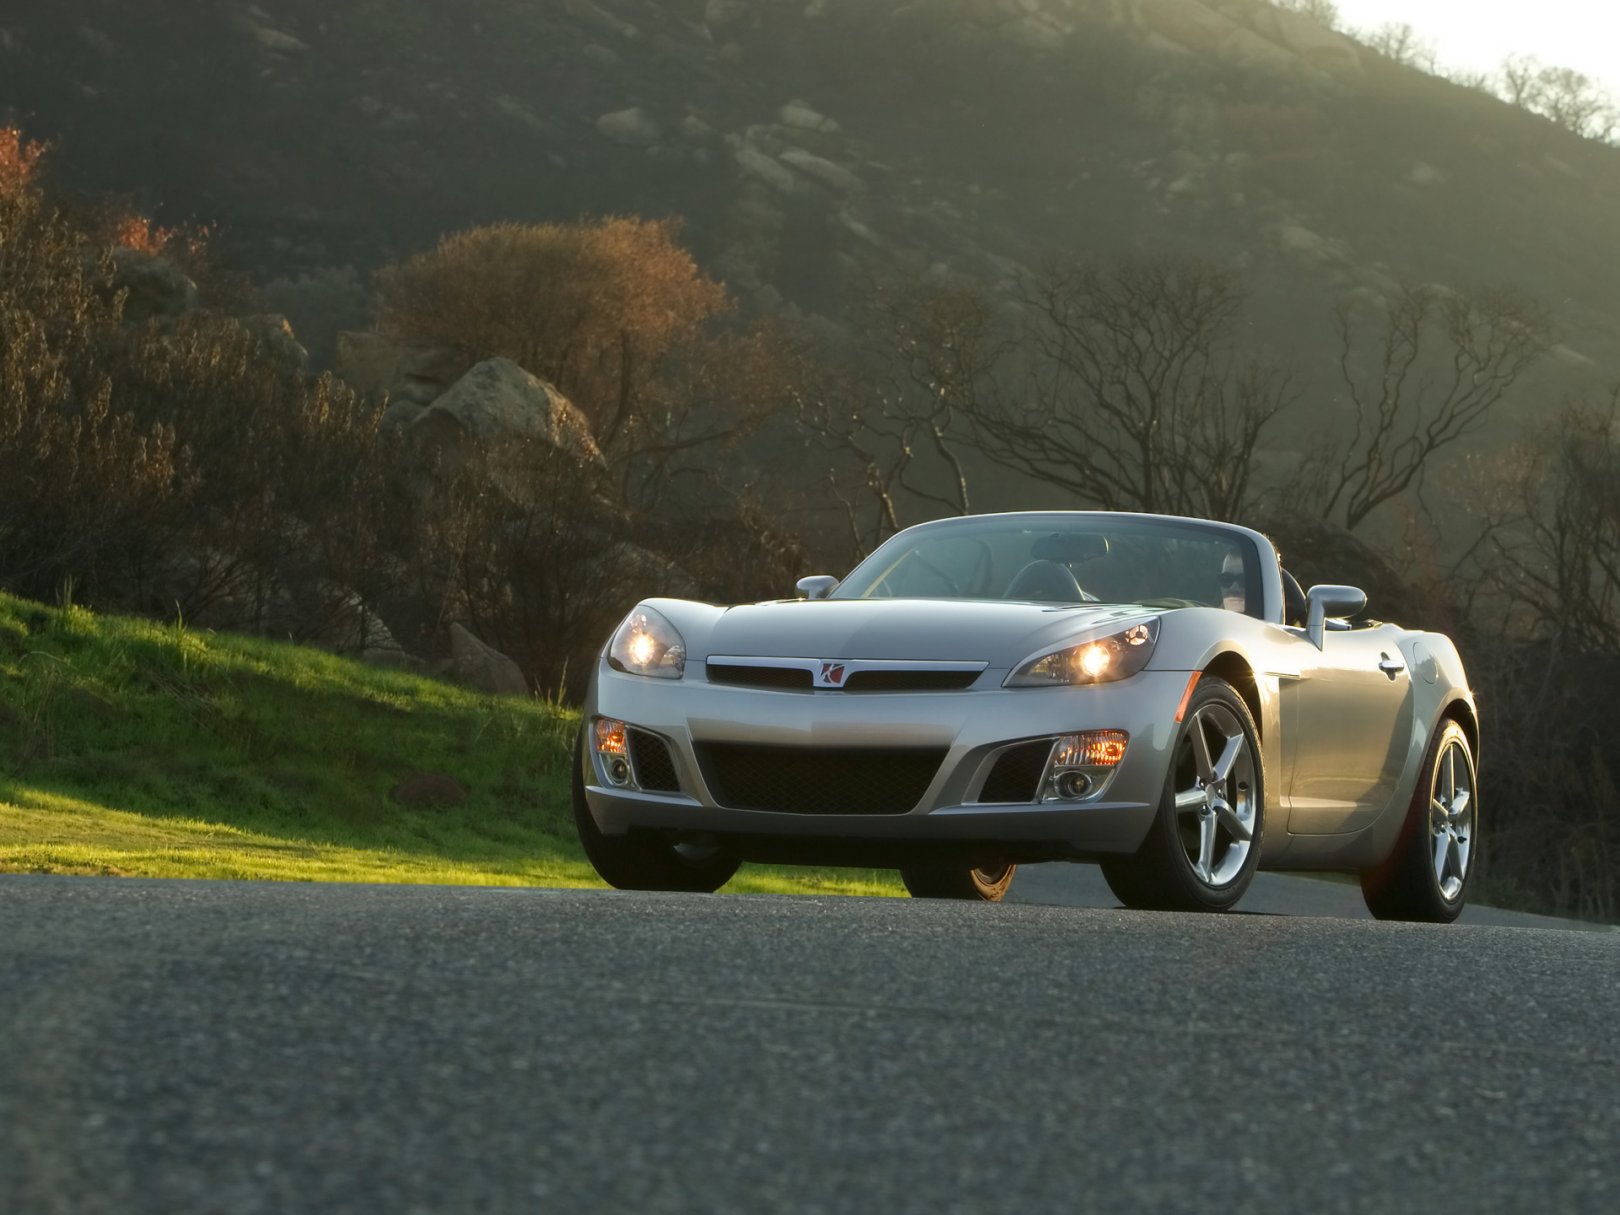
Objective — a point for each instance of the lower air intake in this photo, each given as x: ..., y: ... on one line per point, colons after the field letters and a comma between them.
x: 819, y: 780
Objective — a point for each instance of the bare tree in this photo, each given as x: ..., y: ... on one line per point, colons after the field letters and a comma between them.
x: 1554, y: 561
x: 936, y: 353
x: 1136, y: 400
x: 1520, y: 85
x: 1397, y: 40
x: 1555, y: 554
x: 1561, y: 95
x: 1577, y: 104
x: 1436, y: 363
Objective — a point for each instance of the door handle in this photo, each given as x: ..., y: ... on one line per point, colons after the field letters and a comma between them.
x: 1390, y: 666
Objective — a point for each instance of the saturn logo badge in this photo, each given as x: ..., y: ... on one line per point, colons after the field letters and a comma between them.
x: 831, y: 675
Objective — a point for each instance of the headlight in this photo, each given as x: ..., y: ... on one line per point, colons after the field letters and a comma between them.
x: 1101, y: 660
x: 647, y: 644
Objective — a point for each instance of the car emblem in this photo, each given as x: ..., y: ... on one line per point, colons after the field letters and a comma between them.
x: 831, y: 675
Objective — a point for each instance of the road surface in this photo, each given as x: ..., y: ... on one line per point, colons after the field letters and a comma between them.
x: 240, y: 1047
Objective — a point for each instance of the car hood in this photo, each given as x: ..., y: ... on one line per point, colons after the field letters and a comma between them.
x: 996, y: 633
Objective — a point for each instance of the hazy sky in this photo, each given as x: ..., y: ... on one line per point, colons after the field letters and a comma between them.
x: 1476, y: 35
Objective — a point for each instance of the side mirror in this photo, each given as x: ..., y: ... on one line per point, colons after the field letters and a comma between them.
x: 817, y: 586
x: 1329, y: 602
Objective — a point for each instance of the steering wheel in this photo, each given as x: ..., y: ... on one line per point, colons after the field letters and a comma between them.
x: 1045, y: 582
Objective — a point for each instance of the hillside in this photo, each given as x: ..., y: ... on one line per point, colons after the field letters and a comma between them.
x: 812, y: 146
x: 142, y: 749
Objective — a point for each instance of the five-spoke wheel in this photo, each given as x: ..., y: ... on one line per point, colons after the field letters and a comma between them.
x: 1426, y: 875
x: 1202, y: 849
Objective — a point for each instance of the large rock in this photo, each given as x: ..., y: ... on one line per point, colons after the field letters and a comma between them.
x: 153, y: 286
x: 276, y: 332
x: 482, y: 668
x: 496, y: 403
x: 632, y: 126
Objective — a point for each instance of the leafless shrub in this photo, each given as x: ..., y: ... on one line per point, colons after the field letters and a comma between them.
x: 1138, y: 400
x: 1423, y: 369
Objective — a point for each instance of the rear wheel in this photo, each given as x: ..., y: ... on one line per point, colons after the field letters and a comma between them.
x: 987, y: 884
x: 1426, y: 875
x: 646, y: 862
x: 1204, y: 845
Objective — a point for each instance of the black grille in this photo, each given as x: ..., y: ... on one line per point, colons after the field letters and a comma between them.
x: 819, y: 780
x: 909, y: 681
x: 794, y: 679
x: 655, y: 770
x: 1017, y: 774
x: 798, y: 679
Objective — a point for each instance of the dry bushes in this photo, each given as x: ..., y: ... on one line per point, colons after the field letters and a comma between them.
x: 593, y: 308
x: 83, y: 480
x: 182, y: 463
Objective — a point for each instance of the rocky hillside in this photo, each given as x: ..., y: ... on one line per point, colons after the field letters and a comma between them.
x: 814, y: 145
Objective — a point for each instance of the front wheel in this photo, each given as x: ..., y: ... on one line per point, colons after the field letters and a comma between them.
x: 1204, y: 846
x: 1426, y: 875
x: 646, y: 862
x: 986, y: 884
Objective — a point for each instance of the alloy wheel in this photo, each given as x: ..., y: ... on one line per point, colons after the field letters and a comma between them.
x: 1451, y: 821
x: 1215, y: 788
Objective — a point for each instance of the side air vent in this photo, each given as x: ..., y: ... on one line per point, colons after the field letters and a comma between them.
x: 1016, y: 776
x: 655, y: 770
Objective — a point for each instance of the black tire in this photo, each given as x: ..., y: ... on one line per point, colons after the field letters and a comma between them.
x: 1220, y: 816
x: 1415, y: 882
x: 984, y: 885
x: 645, y: 862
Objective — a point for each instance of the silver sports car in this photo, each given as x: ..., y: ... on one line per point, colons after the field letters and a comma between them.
x: 1149, y: 693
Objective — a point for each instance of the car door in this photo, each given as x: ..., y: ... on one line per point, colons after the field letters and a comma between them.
x: 1352, y: 717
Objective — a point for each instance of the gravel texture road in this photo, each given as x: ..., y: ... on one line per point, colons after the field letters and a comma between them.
x: 239, y: 1047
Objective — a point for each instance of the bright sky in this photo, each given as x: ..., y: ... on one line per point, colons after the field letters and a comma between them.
x: 1476, y: 35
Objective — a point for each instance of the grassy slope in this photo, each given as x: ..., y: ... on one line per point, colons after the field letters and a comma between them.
x: 130, y: 747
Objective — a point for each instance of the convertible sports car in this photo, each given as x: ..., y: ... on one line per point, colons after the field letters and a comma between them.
x: 1150, y: 693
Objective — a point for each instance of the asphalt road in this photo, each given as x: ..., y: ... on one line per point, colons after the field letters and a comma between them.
x: 192, y: 1046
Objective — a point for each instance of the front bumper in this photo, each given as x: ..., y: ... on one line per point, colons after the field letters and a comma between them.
x: 972, y: 728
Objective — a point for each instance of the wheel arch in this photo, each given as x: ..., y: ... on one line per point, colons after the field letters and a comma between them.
x: 1235, y: 669
x: 1464, y: 714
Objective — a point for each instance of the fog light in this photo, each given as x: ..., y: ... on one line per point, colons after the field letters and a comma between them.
x: 1083, y: 764
x: 618, y: 770
x: 1072, y: 784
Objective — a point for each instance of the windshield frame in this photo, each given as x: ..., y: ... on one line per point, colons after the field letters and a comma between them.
x: 1259, y: 557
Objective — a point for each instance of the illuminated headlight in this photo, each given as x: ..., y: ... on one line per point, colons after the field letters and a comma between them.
x: 647, y: 644
x: 1101, y: 660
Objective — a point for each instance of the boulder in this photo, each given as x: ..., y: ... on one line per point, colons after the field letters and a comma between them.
x: 153, y: 286
x: 632, y: 126
x: 798, y: 114
x: 824, y: 172
x: 762, y: 167
x: 482, y: 668
x: 498, y: 402
x: 276, y: 332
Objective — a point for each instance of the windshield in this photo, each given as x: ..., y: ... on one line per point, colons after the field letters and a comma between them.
x: 1056, y: 560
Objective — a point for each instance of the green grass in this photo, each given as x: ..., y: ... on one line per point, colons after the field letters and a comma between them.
x: 131, y: 747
